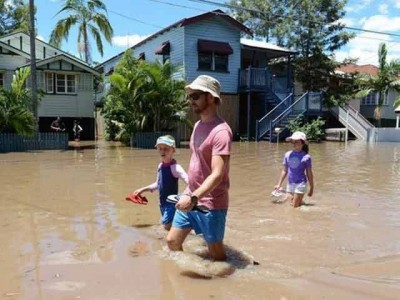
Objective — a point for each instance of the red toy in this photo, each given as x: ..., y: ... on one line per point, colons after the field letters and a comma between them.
x: 137, y: 199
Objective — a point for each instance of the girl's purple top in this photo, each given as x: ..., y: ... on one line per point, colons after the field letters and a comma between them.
x: 297, y: 163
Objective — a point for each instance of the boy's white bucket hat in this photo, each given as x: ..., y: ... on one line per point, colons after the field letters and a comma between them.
x: 205, y: 83
x: 298, y: 135
x: 165, y: 140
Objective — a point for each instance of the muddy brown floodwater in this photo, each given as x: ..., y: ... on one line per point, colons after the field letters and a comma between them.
x: 66, y: 231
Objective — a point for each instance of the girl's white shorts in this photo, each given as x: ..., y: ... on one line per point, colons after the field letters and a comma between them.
x: 296, y: 188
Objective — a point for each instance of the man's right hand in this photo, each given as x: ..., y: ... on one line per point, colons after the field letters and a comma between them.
x: 185, y: 203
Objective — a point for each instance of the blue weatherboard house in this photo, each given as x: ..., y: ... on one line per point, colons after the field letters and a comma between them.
x: 257, y: 85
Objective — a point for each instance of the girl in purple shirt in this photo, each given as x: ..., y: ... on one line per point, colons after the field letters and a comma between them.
x: 298, y: 167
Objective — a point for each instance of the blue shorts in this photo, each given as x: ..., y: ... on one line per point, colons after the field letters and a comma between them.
x: 167, y: 213
x: 211, y: 224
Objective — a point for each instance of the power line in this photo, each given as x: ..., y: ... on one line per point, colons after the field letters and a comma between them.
x: 230, y: 6
x: 134, y: 19
x: 233, y: 6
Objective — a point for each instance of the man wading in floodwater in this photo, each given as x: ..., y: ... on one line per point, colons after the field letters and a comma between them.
x: 208, y: 172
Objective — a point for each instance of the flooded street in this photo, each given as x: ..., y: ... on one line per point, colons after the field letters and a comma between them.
x: 67, y: 232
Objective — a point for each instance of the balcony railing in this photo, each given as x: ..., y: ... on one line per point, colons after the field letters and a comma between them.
x: 254, y: 78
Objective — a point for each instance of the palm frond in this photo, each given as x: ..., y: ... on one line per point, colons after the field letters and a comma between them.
x: 363, y: 93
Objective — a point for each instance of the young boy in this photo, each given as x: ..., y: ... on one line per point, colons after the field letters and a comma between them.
x: 168, y: 174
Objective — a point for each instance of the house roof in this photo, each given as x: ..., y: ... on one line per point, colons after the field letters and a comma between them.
x: 361, y: 69
x: 14, y: 50
x: 187, y: 21
x: 66, y: 58
x: 57, y: 50
x: 274, y: 51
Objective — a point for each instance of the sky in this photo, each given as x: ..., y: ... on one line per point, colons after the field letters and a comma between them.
x: 134, y: 20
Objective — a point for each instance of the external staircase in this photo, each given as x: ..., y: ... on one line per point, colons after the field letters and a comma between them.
x: 279, y: 117
x: 355, y: 122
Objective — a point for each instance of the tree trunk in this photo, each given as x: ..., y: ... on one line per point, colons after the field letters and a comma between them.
x: 32, y: 34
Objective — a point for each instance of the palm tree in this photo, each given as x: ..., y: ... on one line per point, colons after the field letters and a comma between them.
x: 143, y: 97
x: 388, y: 77
x: 15, y: 103
x: 167, y: 103
x: 86, y: 14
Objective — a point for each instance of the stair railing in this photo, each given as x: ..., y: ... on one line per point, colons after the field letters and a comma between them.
x: 354, y: 121
x: 262, y: 125
x: 288, y: 110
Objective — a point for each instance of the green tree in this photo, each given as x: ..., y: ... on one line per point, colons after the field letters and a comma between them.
x: 143, y: 97
x: 15, y: 103
x: 311, y: 27
x: 388, y: 77
x: 91, y: 21
x: 166, y: 103
x: 14, y: 16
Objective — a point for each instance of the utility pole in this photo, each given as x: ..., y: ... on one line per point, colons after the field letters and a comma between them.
x: 32, y: 35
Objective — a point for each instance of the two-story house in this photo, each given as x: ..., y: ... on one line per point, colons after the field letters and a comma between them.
x: 211, y: 43
x: 67, y: 82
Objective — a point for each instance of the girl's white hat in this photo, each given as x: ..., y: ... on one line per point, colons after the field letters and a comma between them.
x: 298, y: 135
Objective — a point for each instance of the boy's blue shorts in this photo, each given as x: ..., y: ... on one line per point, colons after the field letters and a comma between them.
x: 167, y: 213
x: 211, y: 224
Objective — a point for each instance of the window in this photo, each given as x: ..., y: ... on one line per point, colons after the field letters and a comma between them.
x: 61, y: 83
x: 164, y: 49
x: 385, y: 99
x: 165, y: 57
x: 220, y: 62
x: 213, y: 62
x: 65, y: 84
x: 213, y: 55
x: 49, y: 81
x: 371, y: 99
x: 205, y: 61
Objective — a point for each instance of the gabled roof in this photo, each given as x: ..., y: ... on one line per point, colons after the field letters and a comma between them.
x: 14, y: 50
x: 66, y: 58
x: 361, y: 69
x: 21, y: 33
x: 188, y: 21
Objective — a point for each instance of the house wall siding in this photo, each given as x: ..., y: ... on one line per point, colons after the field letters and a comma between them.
x: 66, y: 105
x: 216, y: 30
x: 387, y: 110
x: 174, y: 36
x: 78, y: 105
x: 11, y: 62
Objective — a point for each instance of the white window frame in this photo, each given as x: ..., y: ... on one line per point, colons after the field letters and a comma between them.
x: 49, y: 82
x: 371, y: 99
x: 65, y: 86
x: 385, y: 99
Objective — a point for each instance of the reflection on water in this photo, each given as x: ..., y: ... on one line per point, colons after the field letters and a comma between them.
x: 66, y: 230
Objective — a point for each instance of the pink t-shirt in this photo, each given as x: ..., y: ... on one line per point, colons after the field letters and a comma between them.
x: 208, y: 139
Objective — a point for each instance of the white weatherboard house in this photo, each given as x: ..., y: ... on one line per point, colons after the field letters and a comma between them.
x: 67, y: 81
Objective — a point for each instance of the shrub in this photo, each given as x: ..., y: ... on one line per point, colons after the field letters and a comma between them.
x: 313, y: 129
